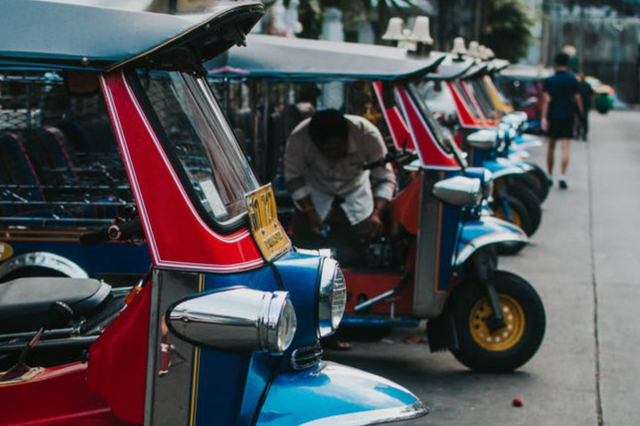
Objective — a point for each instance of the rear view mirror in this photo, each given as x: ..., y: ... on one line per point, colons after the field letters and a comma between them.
x: 81, y: 83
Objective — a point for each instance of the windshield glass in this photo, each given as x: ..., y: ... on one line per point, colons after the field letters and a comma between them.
x: 420, y: 92
x: 200, y: 143
x: 482, y: 97
x: 467, y: 100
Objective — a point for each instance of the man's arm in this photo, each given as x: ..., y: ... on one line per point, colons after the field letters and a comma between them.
x: 383, y: 178
x: 546, y: 98
x: 578, y: 100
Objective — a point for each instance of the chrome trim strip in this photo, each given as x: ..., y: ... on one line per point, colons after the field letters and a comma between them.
x: 485, y: 240
x: 373, y: 417
x: 43, y: 260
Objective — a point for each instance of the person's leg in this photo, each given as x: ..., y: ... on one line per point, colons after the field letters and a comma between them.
x: 585, y: 129
x: 564, y: 163
x: 566, y: 144
x: 550, y: 156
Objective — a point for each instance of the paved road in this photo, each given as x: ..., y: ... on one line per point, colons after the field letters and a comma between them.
x: 584, y: 263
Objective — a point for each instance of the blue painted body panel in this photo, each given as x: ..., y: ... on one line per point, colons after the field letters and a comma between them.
x: 108, y: 258
x: 231, y: 385
x: 329, y: 391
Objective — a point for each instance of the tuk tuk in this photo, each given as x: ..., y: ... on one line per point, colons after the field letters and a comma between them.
x: 437, y: 259
x: 517, y: 198
x: 224, y: 327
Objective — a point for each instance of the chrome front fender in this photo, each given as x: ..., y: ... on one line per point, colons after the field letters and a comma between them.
x: 334, y: 395
x: 486, y: 231
x: 501, y: 167
x: 526, y: 140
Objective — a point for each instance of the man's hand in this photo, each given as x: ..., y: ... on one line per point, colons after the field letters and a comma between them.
x: 374, y: 224
x: 545, y: 125
x: 315, y: 222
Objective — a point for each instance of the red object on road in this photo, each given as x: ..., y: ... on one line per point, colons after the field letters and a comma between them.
x: 517, y: 402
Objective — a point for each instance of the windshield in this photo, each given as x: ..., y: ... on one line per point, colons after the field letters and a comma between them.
x: 199, y: 143
x: 442, y: 135
x: 482, y: 97
x: 467, y: 100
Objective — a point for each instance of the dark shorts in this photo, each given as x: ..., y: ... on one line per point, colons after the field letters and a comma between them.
x: 561, y: 129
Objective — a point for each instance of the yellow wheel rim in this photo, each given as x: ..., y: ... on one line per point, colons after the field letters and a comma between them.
x: 502, y: 339
x: 515, y: 217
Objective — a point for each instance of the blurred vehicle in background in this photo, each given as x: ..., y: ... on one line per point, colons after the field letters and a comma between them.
x: 603, y: 94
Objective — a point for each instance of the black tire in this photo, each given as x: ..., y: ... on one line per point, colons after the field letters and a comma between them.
x: 520, y: 215
x: 510, y: 248
x: 531, y: 203
x: 478, y: 358
x: 525, y: 180
x: 539, y: 177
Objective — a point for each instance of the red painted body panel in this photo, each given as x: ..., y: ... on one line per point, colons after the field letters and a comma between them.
x: 118, y: 362
x: 177, y: 236
x: 371, y: 284
x: 57, y: 397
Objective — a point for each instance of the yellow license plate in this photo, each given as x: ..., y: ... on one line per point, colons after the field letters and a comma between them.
x: 265, y: 226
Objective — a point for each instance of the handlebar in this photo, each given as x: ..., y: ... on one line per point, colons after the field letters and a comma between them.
x: 401, y: 159
x: 115, y: 232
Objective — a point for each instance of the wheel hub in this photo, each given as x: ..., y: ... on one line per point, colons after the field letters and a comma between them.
x: 502, y: 339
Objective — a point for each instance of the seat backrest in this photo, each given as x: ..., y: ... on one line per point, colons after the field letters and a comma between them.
x: 17, y: 167
x: 25, y: 303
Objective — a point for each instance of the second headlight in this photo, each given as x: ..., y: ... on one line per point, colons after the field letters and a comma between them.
x: 332, y: 297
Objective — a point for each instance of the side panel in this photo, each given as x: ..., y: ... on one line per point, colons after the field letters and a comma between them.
x: 438, y: 234
x: 202, y: 386
x: 178, y: 237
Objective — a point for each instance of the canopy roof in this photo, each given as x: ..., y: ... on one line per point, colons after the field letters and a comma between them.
x: 93, y: 38
x: 452, y: 68
x: 498, y: 65
x: 476, y: 70
x: 527, y: 72
x: 282, y: 58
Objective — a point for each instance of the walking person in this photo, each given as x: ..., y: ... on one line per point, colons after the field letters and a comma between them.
x: 561, y: 95
x: 586, y: 93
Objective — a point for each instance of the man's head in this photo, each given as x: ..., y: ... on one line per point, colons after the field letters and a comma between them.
x: 329, y: 131
x: 561, y: 60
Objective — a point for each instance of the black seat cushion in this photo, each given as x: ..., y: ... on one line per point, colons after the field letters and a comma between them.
x: 25, y: 303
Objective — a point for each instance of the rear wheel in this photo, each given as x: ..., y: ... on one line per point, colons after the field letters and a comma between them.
x: 540, y: 179
x: 518, y: 214
x: 532, y: 203
x: 486, y: 349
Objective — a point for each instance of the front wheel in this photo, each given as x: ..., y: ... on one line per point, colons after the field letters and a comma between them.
x: 484, y: 349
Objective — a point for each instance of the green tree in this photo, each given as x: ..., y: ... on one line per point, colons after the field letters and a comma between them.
x: 507, y: 28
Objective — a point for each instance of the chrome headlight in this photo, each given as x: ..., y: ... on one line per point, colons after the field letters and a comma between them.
x: 459, y: 191
x: 238, y: 319
x: 487, y: 186
x: 483, y: 139
x: 332, y: 297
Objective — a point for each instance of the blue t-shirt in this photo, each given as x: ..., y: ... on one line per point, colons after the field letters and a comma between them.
x: 562, y: 87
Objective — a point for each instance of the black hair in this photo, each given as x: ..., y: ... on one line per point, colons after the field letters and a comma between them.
x: 328, y: 124
x: 561, y: 59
